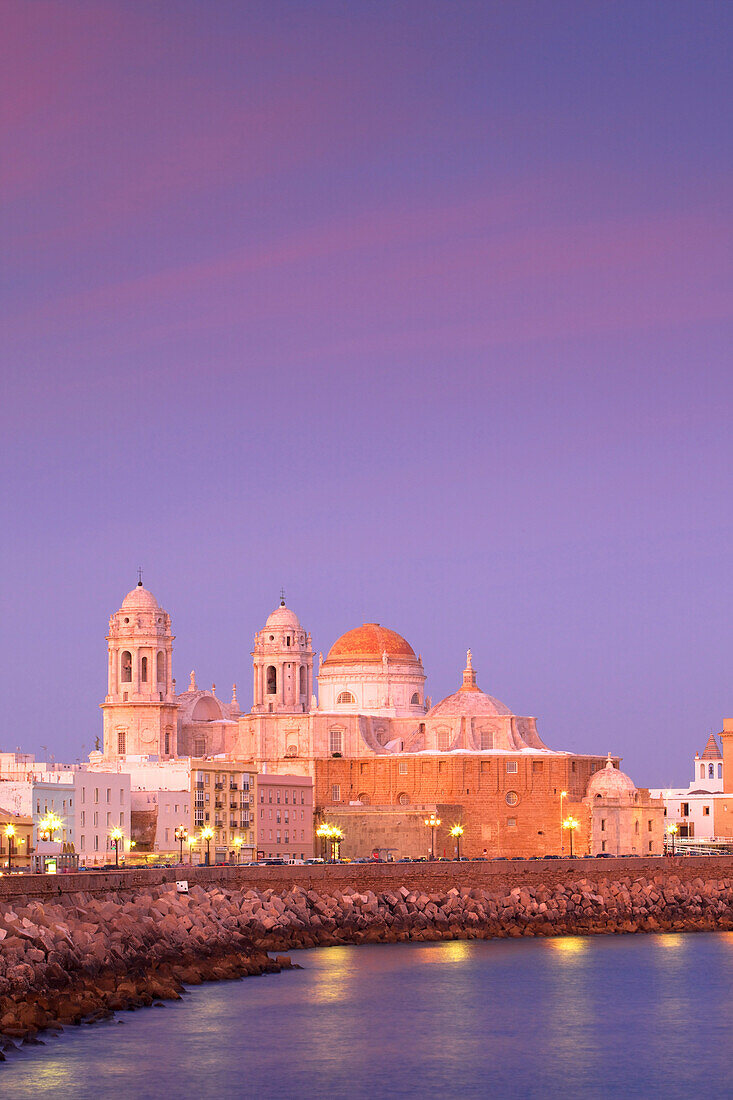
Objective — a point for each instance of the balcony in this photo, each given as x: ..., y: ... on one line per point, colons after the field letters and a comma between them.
x: 218, y: 786
x: 233, y: 787
x: 199, y: 786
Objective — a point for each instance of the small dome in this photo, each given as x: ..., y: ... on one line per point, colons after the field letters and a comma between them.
x: 139, y: 600
x: 609, y: 782
x: 367, y: 643
x: 281, y: 617
x: 469, y: 699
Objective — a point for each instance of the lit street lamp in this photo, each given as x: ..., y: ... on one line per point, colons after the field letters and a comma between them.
x: 116, y: 835
x: 181, y: 834
x: 206, y: 834
x: 571, y: 825
x: 49, y: 825
x: 330, y: 834
x: 563, y: 794
x: 432, y: 822
x: 673, y: 829
x: 10, y: 833
x: 457, y: 832
x: 237, y: 842
x: 191, y: 845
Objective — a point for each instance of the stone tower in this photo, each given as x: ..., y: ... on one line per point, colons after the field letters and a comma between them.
x: 283, y: 665
x: 140, y: 708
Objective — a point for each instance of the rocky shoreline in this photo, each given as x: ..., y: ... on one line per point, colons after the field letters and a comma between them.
x: 82, y: 957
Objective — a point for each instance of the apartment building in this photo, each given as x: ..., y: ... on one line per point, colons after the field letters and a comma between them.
x: 284, y: 816
x: 222, y: 798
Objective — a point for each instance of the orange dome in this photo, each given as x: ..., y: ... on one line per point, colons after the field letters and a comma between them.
x: 367, y: 644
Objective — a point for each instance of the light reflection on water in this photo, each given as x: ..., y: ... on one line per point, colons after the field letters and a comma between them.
x: 620, y: 1016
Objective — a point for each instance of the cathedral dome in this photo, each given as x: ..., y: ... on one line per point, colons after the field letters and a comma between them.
x: 139, y: 600
x: 609, y: 782
x: 281, y: 617
x: 367, y: 643
x: 469, y: 700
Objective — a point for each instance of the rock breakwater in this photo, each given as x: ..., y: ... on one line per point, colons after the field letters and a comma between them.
x: 80, y: 956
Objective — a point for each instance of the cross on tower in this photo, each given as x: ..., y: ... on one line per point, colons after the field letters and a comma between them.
x: 282, y: 597
x: 139, y: 574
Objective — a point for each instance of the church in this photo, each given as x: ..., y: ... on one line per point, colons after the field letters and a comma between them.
x: 380, y: 754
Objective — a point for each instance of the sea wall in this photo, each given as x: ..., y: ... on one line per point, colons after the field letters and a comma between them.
x: 78, y: 955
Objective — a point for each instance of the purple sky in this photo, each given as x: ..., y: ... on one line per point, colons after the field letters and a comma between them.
x: 421, y: 310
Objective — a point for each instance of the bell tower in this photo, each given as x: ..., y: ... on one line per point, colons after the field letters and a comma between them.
x: 140, y: 709
x: 283, y: 665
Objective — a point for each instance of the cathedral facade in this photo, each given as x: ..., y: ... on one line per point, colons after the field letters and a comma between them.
x: 361, y: 726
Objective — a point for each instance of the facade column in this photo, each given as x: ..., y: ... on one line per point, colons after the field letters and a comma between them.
x: 255, y: 684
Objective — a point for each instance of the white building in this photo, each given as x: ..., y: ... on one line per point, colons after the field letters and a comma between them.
x: 699, y: 809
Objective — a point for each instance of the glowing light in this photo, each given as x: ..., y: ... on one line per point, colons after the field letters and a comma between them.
x: 456, y: 830
x: 10, y: 831
x: 673, y: 828
x: 570, y: 823
x: 432, y: 822
x: 237, y: 842
x: 116, y: 834
x: 50, y: 824
x: 207, y: 833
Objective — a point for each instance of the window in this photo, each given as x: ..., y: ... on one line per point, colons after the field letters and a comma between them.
x: 160, y: 668
x: 650, y: 845
x: 487, y: 740
x: 121, y: 743
x: 278, y: 838
x: 636, y: 827
x: 336, y: 792
x: 603, y: 845
x: 303, y: 686
x: 122, y: 799
x: 706, y: 811
x: 603, y: 824
x: 702, y: 771
x: 109, y: 820
x: 443, y: 740
x: 511, y: 798
x: 122, y: 819
x: 720, y: 771
x: 335, y: 741
x: 144, y: 670
x: 167, y: 744
x: 82, y: 843
x: 511, y: 822
x: 649, y: 825
x: 685, y: 809
x: 277, y: 817
x: 83, y: 794
x: 346, y: 697
x: 199, y: 748
x: 511, y: 767
x: 402, y: 767
x: 126, y: 667
x: 415, y: 701
x: 537, y: 767
x: 711, y: 771
x: 96, y: 842
x: 109, y: 794
x: 82, y: 821
x: 271, y: 680
x: 96, y: 794
x: 403, y: 799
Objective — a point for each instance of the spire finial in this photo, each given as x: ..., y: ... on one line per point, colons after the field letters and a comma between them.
x: 469, y: 659
x: 192, y: 682
x: 469, y: 674
x: 139, y: 576
x: 234, y: 702
x: 282, y: 597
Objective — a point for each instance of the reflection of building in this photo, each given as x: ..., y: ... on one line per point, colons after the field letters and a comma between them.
x: 369, y: 737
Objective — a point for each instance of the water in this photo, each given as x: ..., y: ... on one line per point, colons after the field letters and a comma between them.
x: 604, y: 1016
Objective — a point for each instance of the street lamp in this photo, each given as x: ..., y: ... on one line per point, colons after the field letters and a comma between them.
x: 563, y: 794
x: 237, y: 842
x: 330, y: 834
x: 571, y: 825
x: 10, y: 833
x: 49, y: 825
x: 336, y: 837
x: 457, y: 832
x: 181, y: 834
x: 432, y: 822
x: 191, y: 845
x: 206, y: 834
x: 116, y: 835
x: 673, y: 829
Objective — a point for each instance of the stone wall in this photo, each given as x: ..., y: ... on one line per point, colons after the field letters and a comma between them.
x: 77, y: 947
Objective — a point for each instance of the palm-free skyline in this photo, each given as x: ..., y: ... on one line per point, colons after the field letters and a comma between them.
x: 420, y: 310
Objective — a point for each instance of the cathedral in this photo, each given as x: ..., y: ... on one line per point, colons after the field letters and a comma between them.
x: 380, y: 754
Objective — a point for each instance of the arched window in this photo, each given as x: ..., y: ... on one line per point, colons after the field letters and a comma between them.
x: 303, y: 680
x: 636, y: 827
x: 443, y: 740
x: 167, y: 743
x: 363, y: 798
x: 126, y: 666
x: 346, y: 697
x: 487, y: 740
x: 720, y: 771
x: 160, y: 673
x: 271, y: 680
x: 711, y: 771
x: 702, y: 771
x: 121, y: 742
x: 335, y: 741
x: 403, y: 799
x: 415, y: 701
x: 144, y: 670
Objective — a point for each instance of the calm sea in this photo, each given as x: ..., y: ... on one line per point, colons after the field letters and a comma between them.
x: 606, y: 1016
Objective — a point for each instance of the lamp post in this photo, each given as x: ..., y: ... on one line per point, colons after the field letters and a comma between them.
x: 49, y: 825
x: 457, y: 832
x: 181, y: 834
x: 432, y: 822
x: 330, y: 834
x: 336, y: 837
x: 191, y: 846
x: 323, y: 832
x: 116, y: 835
x: 571, y: 825
x: 237, y: 842
x: 206, y: 834
x: 10, y: 833
x: 673, y: 829
x: 563, y: 794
